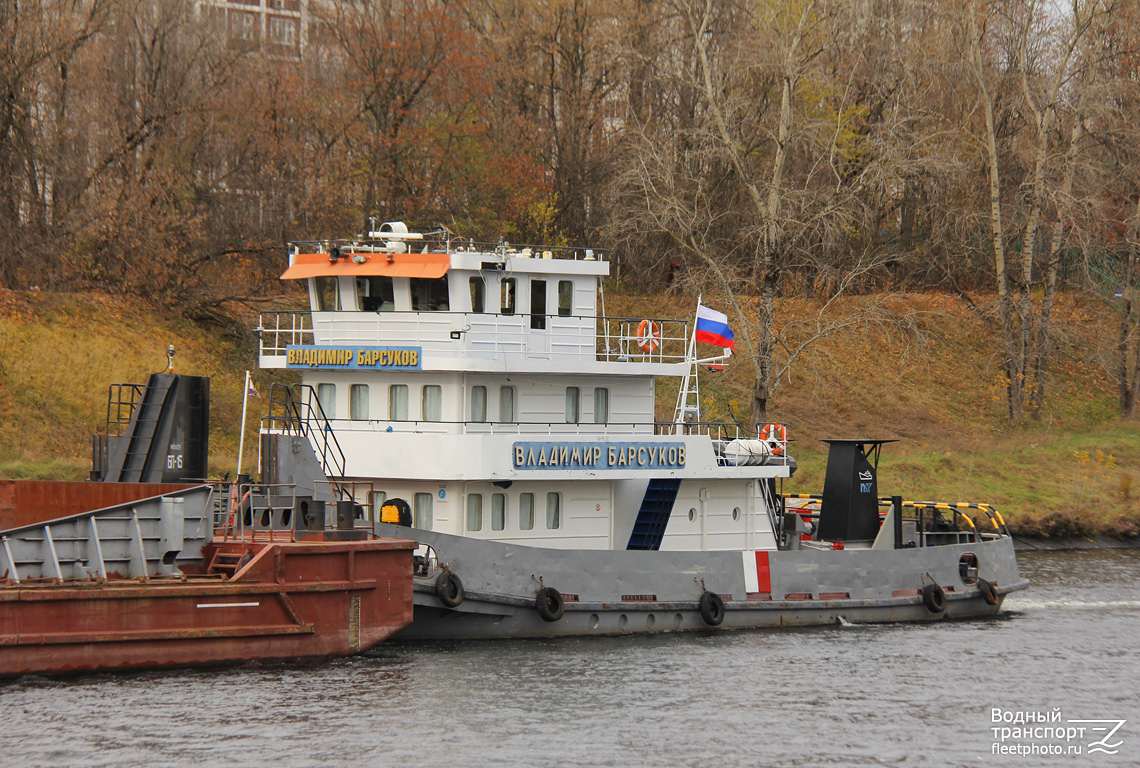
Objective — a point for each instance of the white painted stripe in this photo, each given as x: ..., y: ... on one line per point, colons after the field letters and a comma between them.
x: 228, y: 605
x: 751, y: 580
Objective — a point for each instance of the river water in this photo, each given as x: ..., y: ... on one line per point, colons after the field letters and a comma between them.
x: 881, y: 695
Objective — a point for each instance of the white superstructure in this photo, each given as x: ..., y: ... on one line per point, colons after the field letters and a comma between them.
x: 484, y: 386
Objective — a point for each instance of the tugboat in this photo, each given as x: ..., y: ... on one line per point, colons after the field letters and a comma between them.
x: 478, y: 400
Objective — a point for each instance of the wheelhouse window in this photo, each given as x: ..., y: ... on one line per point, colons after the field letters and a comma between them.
x: 478, y: 294
x: 474, y: 512
x: 376, y: 294
x: 573, y: 405
x: 478, y: 403
x: 398, y: 402
x: 358, y: 402
x: 507, y: 305
x: 553, y: 511
x: 433, y: 402
x: 326, y: 398
x: 565, y: 297
x: 421, y: 511
x: 498, y: 511
x: 326, y: 295
x: 526, y: 511
x: 506, y: 404
x: 429, y: 295
x: 538, y: 304
x: 601, y: 405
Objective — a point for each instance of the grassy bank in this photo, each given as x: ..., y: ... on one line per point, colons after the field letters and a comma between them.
x: 919, y: 368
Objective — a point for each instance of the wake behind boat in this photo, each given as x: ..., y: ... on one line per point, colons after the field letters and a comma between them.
x: 478, y: 400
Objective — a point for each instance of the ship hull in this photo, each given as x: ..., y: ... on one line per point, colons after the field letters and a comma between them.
x: 627, y: 592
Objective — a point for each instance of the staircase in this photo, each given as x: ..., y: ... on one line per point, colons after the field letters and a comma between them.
x: 653, y: 517
x: 142, y: 428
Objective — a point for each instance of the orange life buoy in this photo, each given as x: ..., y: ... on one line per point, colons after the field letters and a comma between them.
x: 648, y: 336
x: 776, y: 436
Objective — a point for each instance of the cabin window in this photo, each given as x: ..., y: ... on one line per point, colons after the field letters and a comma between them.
x: 736, y: 513
x: 378, y: 498
x: 565, y: 297
x: 507, y: 307
x: 526, y: 511
x: 328, y: 299
x: 478, y: 403
x: 432, y: 402
x: 376, y: 294
x: 506, y: 404
x: 429, y: 295
x: 573, y: 404
x: 421, y: 511
x: 553, y: 510
x: 601, y: 405
x: 538, y: 304
x: 478, y: 294
x: 326, y: 398
x: 474, y: 512
x: 358, y: 402
x: 498, y: 511
x: 398, y: 402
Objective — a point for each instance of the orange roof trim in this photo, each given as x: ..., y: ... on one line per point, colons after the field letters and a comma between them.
x: 429, y: 265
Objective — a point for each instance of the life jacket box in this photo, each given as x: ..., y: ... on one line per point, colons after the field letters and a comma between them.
x: 396, y: 512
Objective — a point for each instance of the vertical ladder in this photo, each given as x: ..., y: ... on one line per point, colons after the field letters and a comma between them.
x: 689, y: 396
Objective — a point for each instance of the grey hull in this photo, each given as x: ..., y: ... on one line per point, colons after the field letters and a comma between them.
x: 620, y: 592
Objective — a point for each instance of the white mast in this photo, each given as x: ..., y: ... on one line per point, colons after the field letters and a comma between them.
x: 689, y: 396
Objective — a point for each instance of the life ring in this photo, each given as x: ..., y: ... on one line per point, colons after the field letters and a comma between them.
x: 989, y: 594
x: 776, y: 436
x: 934, y: 598
x: 648, y: 336
x: 449, y: 589
x: 549, y: 604
x: 712, y: 608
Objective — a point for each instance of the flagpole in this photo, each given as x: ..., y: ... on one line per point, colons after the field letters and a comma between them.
x: 244, y: 404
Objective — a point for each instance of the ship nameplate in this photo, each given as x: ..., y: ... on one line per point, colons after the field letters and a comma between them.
x: 596, y: 455
x: 354, y: 358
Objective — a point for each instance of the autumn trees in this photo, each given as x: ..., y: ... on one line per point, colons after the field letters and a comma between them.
x: 984, y: 147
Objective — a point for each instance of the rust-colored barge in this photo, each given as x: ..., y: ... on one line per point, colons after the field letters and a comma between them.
x: 147, y: 584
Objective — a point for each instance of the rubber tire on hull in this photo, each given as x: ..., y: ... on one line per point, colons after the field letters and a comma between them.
x: 934, y: 598
x: 989, y: 594
x: 712, y: 608
x: 549, y: 604
x: 449, y: 589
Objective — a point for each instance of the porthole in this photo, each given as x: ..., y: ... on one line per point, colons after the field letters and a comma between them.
x: 623, y: 620
x: 650, y: 621
x: 594, y: 621
x: 736, y: 513
x: 677, y: 621
x: 692, y: 514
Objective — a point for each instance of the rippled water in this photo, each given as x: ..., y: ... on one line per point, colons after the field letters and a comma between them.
x: 847, y: 696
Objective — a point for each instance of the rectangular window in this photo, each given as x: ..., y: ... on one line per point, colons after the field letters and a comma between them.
x: 429, y: 294
x: 538, y: 304
x: 506, y: 404
x: 573, y: 405
x: 526, y: 511
x: 398, y: 402
x: 421, y: 511
x: 478, y: 294
x: 553, y: 510
x: 325, y: 292
x: 478, y: 403
x: 601, y: 405
x: 474, y: 512
x: 378, y: 499
x: 433, y: 402
x: 377, y: 294
x: 508, y: 301
x: 565, y: 297
x: 326, y: 398
x: 358, y: 402
x: 247, y: 26
x: 498, y: 511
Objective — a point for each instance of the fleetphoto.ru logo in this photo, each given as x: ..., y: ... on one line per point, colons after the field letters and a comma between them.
x: 1027, y: 732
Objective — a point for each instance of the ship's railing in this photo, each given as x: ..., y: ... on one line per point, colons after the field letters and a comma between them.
x: 928, y: 523
x: 482, y: 335
x: 721, y: 433
x: 441, y: 242
x: 297, y: 410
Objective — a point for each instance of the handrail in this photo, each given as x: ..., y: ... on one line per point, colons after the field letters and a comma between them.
x: 298, y: 416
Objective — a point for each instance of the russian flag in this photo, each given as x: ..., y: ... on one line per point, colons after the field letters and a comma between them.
x: 712, y: 328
